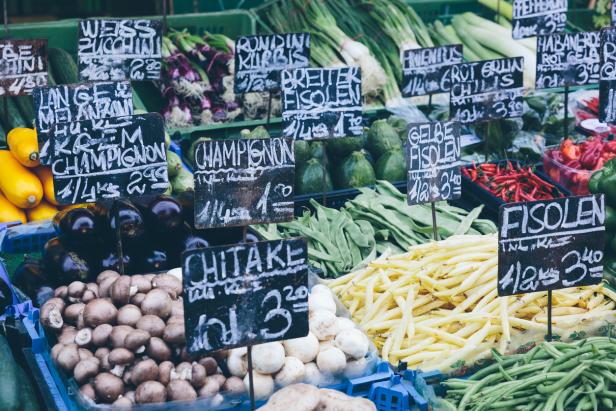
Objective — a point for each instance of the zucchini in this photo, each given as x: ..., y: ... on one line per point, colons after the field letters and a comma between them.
x: 50, y: 79
x: 10, y: 117
x: 10, y: 398
x: 25, y: 105
x: 63, y: 66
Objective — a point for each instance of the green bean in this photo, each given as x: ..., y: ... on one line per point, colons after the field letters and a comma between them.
x: 593, y: 398
x: 563, y: 382
x: 564, y: 394
x: 551, y: 402
x: 607, y: 403
x: 582, y: 404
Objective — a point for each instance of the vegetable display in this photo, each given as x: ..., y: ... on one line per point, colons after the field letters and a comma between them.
x: 305, y: 397
x: 511, y: 182
x: 573, y: 163
x: 604, y: 182
x: 436, y: 307
x: 550, y: 376
x: 333, y: 349
x: 340, y: 241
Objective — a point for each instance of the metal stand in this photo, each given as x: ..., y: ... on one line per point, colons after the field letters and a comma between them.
x: 434, y: 227
x: 251, y: 387
x: 324, y: 179
x: 120, y: 251
x: 165, y: 16
x: 6, y: 21
x: 269, y: 107
x: 566, y: 122
x: 549, y: 336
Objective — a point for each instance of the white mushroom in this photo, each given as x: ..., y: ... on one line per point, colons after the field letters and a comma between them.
x: 312, y: 375
x: 322, y: 324
x: 353, y: 343
x: 268, y: 358
x: 292, y: 372
x: 321, y: 301
x: 331, y: 360
x: 305, y: 348
x: 237, y: 363
x: 343, y: 323
x: 263, y: 384
x: 355, y: 368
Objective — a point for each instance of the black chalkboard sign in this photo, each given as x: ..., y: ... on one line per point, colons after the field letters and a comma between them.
x: 549, y: 245
x: 613, y: 13
x: 23, y: 66
x: 538, y: 17
x: 427, y: 71
x: 607, y: 77
x: 119, y: 49
x: 120, y: 157
x: 259, y: 59
x: 568, y: 59
x: 243, y: 294
x: 321, y: 103
x: 433, y: 157
x: 243, y: 182
x: 487, y: 90
x: 77, y: 102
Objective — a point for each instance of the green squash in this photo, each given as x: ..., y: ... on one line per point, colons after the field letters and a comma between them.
x: 309, y: 178
x: 391, y: 166
x: 355, y: 171
x: 382, y: 138
x: 302, y: 152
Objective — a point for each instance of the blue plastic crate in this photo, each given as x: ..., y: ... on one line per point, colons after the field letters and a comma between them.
x: 17, y: 238
x: 410, y: 391
x: 20, y: 307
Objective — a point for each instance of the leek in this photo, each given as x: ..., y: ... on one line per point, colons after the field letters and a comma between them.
x: 502, y: 7
x: 460, y: 25
x: 476, y: 21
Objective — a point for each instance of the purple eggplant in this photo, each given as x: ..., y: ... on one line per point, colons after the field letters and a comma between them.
x: 131, y: 222
x: 164, y: 215
x: 76, y: 227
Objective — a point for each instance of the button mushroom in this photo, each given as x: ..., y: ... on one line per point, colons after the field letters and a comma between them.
x: 210, y: 388
x: 83, y: 337
x: 67, y: 335
x: 292, y: 372
x: 233, y: 386
x: 118, y: 335
x: 100, y: 335
x: 353, y: 343
x: 321, y: 301
x: 312, y: 375
x: 198, y: 375
x: 268, y: 358
x: 99, y: 311
x: 75, y: 290
x: 128, y: 315
x: 164, y: 372
x: 88, y: 391
x: 237, y: 363
x: 180, y: 390
x: 85, y: 369
x: 107, y: 274
x: 108, y: 387
x: 210, y: 365
x: 152, y: 324
x: 263, y: 385
x: 142, y: 284
x: 150, y: 392
x: 61, y: 292
x: 174, y: 333
x: 68, y: 357
x: 331, y: 360
x: 145, y: 370
x: 51, y: 313
x: 305, y: 348
x: 168, y: 283
x: 158, y: 350
x: 322, y: 324
x: 121, y: 290
x: 157, y: 302
x: 136, y: 340
x: 72, y: 312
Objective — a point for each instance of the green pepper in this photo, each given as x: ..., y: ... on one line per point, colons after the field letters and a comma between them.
x: 609, y: 265
x: 593, y: 183
x: 610, y: 219
x: 607, y: 185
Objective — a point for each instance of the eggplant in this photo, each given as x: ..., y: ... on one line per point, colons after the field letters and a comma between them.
x: 193, y: 242
x: 72, y: 268
x: 152, y: 260
x: 6, y: 297
x: 188, y: 242
x: 187, y: 201
x: 53, y: 252
x: 76, y: 227
x: 109, y: 261
x: 30, y: 276
x: 131, y: 223
x: 164, y: 215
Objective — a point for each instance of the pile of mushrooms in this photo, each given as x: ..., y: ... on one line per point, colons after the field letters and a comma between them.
x: 122, y: 339
x: 333, y: 348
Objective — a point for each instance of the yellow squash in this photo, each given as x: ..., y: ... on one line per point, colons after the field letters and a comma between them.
x: 23, y: 144
x: 43, y: 211
x: 44, y: 174
x: 20, y: 185
x: 9, y: 213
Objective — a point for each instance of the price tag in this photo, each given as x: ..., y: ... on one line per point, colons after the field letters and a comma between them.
x: 487, y: 90
x: 321, y: 103
x: 23, y: 66
x: 108, y: 159
x: 119, y: 49
x: 78, y: 102
x: 433, y: 156
x: 538, y: 17
x: 607, y: 76
x: 242, y: 182
x: 568, y: 59
x: 245, y: 294
x: 259, y: 59
x: 550, y: 245
x: 427, y: 71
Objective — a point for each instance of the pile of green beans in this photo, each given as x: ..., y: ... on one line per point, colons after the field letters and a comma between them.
x: 551, y: 376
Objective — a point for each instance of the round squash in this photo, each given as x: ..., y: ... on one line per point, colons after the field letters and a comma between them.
x: 10, y: 213
x: 20, y: 186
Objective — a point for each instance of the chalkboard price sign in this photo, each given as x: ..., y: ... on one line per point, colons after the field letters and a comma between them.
x: 121, y: 157
x: 119, y: 49
x: 433, y: 156
x: 77, y: 102
x: 550, y: 245
x: 23, y: 66
x: 259, y: 59
x: 427, y: 71
x: 607, y: 79
x: 568, y: 59
x: 613, y: 13
x: 487, y: 90
x: 243, y: 182
x: 538, y: 17
x: 321, y: 103
x: 245, y: 294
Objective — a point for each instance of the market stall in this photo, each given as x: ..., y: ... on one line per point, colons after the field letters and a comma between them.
x: 333, y: 204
